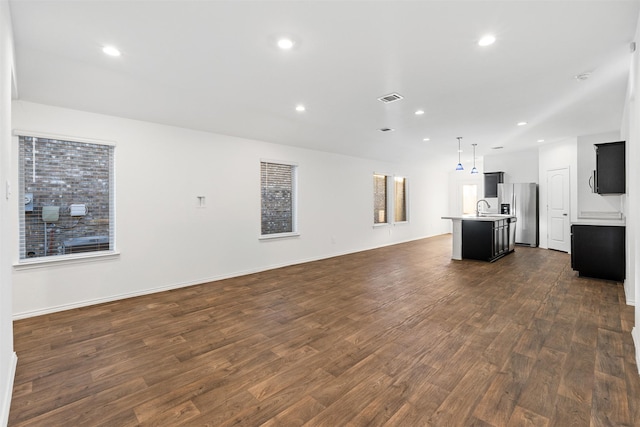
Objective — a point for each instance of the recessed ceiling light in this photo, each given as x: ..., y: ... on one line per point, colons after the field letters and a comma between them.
x: 522, y: 123
x: 300, y: 108
x: 285, y: 43
x: 426, y: 139
x: 419, y: 112
x: 487, y: 40
x: 540, y: 140
x: 111, y: 51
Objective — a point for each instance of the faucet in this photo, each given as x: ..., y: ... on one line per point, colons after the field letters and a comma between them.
x: 478, y: 206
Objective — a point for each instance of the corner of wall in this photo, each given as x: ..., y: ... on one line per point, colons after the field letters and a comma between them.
x: 8, y: 391
x: 8, y: 358
x: 629, y: 293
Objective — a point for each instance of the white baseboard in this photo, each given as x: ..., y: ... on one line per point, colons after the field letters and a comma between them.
x: 111, y: 298
x: 8, y: 391
x: 636, y: 341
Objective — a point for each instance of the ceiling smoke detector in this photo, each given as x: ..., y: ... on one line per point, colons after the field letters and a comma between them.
x: 392, y: 97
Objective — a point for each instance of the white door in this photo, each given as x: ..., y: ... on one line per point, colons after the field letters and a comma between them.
x: 558, y: 215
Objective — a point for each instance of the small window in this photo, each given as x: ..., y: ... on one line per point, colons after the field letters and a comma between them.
x: 68, y: 193
x: 380, y: 199
x: 278, y: 198
x: 400, y: 198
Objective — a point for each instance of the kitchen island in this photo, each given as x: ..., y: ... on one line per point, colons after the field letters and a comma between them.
x: 486, y: 237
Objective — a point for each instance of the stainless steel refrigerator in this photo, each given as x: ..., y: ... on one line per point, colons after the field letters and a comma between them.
x: 521, y: 200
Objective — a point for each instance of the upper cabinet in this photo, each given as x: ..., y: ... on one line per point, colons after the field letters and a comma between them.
x: 610, y: 168
x: 491, y: 181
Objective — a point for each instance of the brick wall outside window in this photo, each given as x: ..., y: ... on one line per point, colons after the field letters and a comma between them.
x: 277, y: 182
x: 62, y: 173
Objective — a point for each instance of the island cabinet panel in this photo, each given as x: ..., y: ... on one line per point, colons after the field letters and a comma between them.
x: 477, y: 240
x: 485, y: 240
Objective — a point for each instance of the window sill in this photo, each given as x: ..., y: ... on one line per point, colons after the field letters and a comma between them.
x: 383, y: 224
x: 278, y: 236
x: 28, y: 264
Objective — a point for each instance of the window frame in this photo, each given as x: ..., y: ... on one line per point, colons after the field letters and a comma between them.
x: 388, y: 211
x: 21, y: 262
x: 406, y: 199
x: 295, y: 232
x: 391, y: 195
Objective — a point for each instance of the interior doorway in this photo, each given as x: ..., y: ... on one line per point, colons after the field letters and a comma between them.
x: 469, y: 198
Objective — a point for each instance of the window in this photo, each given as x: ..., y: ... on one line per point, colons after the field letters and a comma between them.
x: 386, y: 189
x: 278, y: 198
x: 68, y: 193
x: 400, y: 197
x: 380, y: 200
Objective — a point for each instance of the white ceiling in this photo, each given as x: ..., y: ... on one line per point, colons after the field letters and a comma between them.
x: 214, y: 66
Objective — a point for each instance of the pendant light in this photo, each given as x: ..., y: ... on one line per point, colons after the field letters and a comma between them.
x: 474, y: 170
x: 459, y: 167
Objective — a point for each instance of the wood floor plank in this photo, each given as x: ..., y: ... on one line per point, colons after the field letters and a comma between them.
x: 571, y: 413
x: 297, y: 414
x: 610, y: 356
x: 458, y: 405
x: 524, y: 418
x: 610, y: 406
x: 350, y: 405
x: 539, y: 394
x: 577, y: 373
x: 396, y: 336
x: 498, y: 403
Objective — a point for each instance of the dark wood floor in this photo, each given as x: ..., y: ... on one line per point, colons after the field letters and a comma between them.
x: 398, y: 336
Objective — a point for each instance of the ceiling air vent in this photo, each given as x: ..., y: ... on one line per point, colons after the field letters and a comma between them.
x: 386, y: 129
x: 392, y: 97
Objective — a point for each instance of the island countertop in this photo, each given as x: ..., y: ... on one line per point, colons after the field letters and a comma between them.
x: 481, y: 217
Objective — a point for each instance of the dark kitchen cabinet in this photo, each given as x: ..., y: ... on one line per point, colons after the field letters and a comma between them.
x: 485, y: 240
x: 491, y: 181
x: 598, y: 251
x: 610, y: 168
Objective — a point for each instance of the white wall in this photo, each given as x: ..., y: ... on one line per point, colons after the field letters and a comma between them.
x: 166, y: 242
x: 630, y: 132
x: 521, y: 166
x: 7, y: 356
x: 457, y: 179
x: 590, y: 204
x: 558, y: 155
